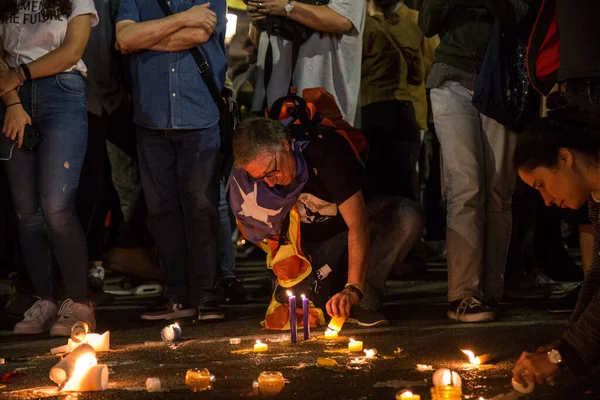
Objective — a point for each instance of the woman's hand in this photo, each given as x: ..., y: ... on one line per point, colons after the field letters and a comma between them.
x: 8, y: 81
x: 15, y: 120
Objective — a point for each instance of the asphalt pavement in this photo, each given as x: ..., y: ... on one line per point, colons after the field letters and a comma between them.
x: 419, y: 333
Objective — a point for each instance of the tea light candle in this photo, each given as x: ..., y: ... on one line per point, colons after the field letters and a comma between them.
x: 371, y: 353
x: 331, y: 334
x: 305, y: 315
x: 198, y: 379
x: 171, y: 333
x: 260, y: 347
x: 407, y: 394
x: 355, y: 345
x: 270, y: 383
x: 153, y: 384
x: 235, y: 341
x: 523, y: 389
x: 445, y: 377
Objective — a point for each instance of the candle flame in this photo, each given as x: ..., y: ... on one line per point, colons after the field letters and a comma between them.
x: 290, y: 294
x: 82, y: 365
x: 351, y: 340
x: 370, y: 353
x: 258, y: 342
x: 408, y: 394
x: 472, y: 359
x: 303, y: 296
x: 447, y: 378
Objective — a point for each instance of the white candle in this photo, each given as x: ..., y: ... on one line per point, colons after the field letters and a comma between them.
x: 445, y: 377
x: 523, y: 389
x: 260, y: 347
x: 331, y: 334
x: 65, y: 368
x: 355, y: 345
x: 153, y: 384
x: 235, y: 341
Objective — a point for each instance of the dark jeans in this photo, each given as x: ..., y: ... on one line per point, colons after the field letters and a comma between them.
x: 435, y: 212
x: 44, y: 183
x: 394, y: 139
x: 395, y: 224
x: 180, y: 178
x: 226, y: 250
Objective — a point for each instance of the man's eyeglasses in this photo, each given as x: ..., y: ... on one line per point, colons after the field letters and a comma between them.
x: 269, y: 174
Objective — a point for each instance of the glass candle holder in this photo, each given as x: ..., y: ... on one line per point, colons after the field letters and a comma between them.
x: 198, y: 379
x: 270, y: 383
x: 446, y: 393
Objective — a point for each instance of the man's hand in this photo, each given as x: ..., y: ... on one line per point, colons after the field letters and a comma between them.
x: 534, y: 367
x: 268, y: 7
x: 253, y: 12
x: 15, y: 120
x: 8, y: 81
x: 341, y: 303
x: 546, y: 348
x: 201, y: 17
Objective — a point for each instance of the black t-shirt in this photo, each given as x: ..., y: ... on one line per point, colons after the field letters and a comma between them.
x: 579, y: 31
x: 334, y: 175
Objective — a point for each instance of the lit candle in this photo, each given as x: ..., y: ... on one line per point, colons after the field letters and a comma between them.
x: 171, y: 333
x: 235, y: 341
x: 270, y: 383
x: 477, y: 360
x: 198, y: 379
x: 260, y: 347
x: 371, y: 353
x: 336, y: 323
x: 522, y: 388
x: 331, y: 334
x: 292, y: 308
x: 406, y: 394
x: 445, y: 377
x: 305, y: 315
x: 355, y: 345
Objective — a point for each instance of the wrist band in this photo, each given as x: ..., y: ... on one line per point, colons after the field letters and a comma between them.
x: 355, y: 289
x: 26, y: 71
x: 13, y: 104
x: 19, y: 75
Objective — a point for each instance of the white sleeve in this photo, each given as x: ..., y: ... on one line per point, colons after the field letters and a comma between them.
x: 81, y: 7
x: 353, y: 10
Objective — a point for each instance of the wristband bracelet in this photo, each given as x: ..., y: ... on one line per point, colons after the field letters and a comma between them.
x: 355, y: 289
x: 19, y: 75
x: 13, y: 104
x: 26, y: 71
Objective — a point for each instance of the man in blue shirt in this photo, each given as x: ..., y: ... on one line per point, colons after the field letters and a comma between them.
x: 178, y: 143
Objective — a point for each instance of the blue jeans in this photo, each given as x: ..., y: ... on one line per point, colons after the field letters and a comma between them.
x: 478, y: 180
x: 44, y: 182
x: 180, y: 179
x: 226, y: 250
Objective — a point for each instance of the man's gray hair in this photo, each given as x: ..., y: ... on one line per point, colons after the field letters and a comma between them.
x: 257, y: 136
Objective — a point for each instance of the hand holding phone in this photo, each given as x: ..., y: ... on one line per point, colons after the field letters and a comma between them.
x: 31, y: 138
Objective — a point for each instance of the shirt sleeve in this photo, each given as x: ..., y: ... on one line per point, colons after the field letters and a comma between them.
x: 353, y: 10
x: 128, y: 11
x: 340, y: 171
x: 82, y: 7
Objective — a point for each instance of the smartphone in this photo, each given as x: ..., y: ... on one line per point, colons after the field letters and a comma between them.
x: 31, y: 137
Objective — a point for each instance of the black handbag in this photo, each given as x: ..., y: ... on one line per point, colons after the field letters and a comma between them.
x: 503, y: 91
x: 229, y: 117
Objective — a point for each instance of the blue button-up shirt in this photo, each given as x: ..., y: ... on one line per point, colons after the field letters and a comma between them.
x: 168, y: 90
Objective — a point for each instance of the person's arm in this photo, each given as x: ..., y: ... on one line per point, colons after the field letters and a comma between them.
x: 432, y: 16
x: 580, y: 343
x: 320, y: 18
x: 354, y: 212
x: 414, y: 60
x: 15, y: 117
x: 134, y: 36
x: 183, y: 39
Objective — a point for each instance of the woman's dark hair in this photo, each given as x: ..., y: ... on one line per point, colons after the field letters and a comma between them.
x: 48, y: 8
x: 389, y: 10
x: 539, y: 145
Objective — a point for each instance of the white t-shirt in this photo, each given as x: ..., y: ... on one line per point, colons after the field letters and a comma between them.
x: 328, y: 60
x: 28, y: 36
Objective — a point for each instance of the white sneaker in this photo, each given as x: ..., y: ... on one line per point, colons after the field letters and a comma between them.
x: 39, y: 318
x: 70, y: 313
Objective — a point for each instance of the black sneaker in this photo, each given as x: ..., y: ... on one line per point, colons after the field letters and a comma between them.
x: 170, y: 311
x: 535, y: 285
x: 210, y: 311
x: 18, y: 302
x: 566, y: 304
x: 470, y: 309
x: 366, y: 317
x: 234, y: 292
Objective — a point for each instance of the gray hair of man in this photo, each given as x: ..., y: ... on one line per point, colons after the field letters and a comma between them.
x: 256, y: 136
